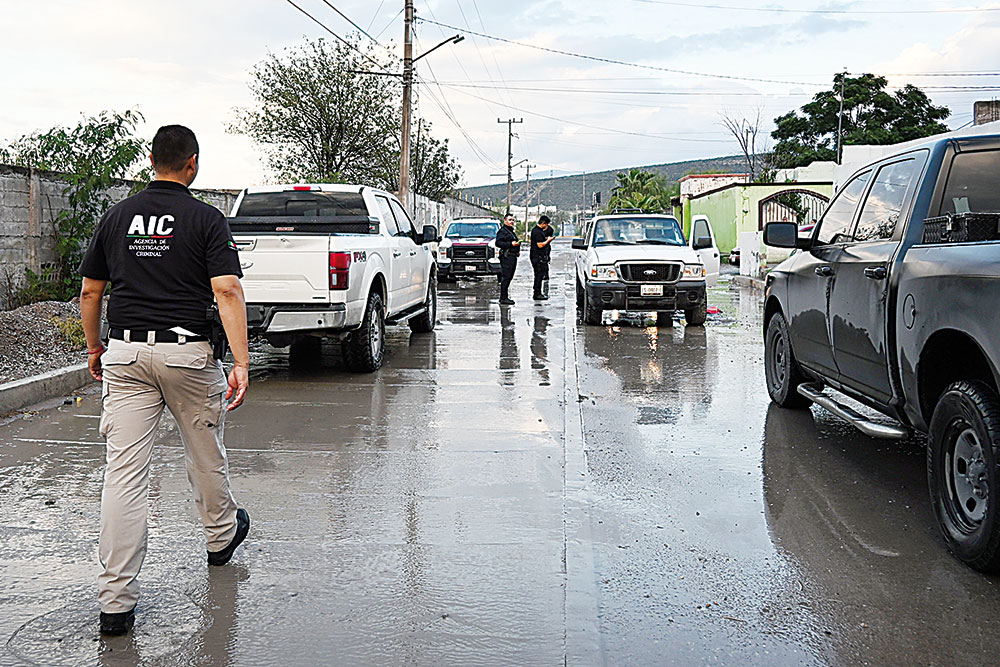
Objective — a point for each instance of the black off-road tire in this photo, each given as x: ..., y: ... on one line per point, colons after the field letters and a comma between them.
x: 696, y: 315
x: 425, y: 323
x: 579, y: 295
x: 364, y: 348
x: 964, y: 489
x: 591, y: 314
x: 665, y: 318
x: 305, y: 352
x: 781, y: 372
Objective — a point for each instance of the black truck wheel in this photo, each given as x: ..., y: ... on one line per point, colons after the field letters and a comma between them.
x: 665, y: 318
x: 781, y: 371
x: 364, y: 348
x: 591, y: 314
x: 696, y: 315
x: 962, y: 473
x: 579, y: 295
x: 425, y: 323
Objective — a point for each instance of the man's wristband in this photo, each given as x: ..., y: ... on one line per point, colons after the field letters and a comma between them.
x: 98, y: 350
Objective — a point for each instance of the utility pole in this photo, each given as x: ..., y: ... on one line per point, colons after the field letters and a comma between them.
x: 527, y: 192
x: 404, y: 144
x: 510, y: 151
x: 840, y: 118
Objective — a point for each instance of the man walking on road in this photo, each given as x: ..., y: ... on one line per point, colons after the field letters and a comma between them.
x: 540, y: 254
x: 166, y: 255
x: 509, y: 247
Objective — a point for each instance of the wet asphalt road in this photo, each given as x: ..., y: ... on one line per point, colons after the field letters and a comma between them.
x: 515, y: 488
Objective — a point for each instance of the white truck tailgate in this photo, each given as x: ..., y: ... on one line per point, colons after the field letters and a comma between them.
x: 285, y: 269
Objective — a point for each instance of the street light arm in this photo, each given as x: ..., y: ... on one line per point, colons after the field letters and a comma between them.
x: 454, y: 39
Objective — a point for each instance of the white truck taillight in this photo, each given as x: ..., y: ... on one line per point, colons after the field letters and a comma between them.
x: 340, y: 270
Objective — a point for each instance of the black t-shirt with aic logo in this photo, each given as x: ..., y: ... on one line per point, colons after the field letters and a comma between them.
x: 160, y: 249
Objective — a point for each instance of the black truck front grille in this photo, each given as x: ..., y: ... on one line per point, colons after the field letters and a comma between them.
x: 468, y: 252
x: 650, y: 273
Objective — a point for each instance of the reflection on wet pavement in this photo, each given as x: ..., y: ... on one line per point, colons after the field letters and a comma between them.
x: 456, y: 508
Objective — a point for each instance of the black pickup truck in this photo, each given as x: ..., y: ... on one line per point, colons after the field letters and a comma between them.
x: 894, y: 301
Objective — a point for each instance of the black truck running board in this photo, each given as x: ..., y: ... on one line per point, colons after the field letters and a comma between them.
x: 875, y: 429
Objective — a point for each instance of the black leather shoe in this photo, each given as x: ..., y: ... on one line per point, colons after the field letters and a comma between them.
x: 506, y: 302
x: 242, y: 528
x: 541, y: 297
x: 117, y: 624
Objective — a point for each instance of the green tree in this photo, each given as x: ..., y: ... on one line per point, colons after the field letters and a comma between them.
x: 641, y: 190
x: 93, y: 156
x: 435, y: 171
x: 322, y: 115
x: 871, y: 115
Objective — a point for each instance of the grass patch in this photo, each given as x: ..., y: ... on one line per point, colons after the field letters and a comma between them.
x: 71, y: 329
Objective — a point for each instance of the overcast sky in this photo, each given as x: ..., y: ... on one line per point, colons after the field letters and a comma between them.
x: 188, y: 62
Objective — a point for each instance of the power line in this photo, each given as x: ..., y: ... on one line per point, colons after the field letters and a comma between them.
x: 346, y: 42
x: 611, y: 61
x: 785, y: 10
x: 348, y: 19
x: 572, y: 122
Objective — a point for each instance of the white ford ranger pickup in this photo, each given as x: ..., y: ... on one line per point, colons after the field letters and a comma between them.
x: 641, y: 263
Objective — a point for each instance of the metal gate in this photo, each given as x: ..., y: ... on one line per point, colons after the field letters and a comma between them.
x: 802, y: 207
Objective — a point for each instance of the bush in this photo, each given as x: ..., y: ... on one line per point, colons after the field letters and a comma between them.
x: 71, y: 329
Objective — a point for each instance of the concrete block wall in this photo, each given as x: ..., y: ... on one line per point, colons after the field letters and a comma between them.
x: 30, y: 201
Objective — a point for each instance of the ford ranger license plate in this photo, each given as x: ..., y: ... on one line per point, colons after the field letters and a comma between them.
x: 469, y: 268
x: 651, y: 290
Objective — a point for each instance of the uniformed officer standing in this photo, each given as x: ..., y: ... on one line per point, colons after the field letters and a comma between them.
x: 166, y: 255
x: 510, y: 248
x: 540, y: 254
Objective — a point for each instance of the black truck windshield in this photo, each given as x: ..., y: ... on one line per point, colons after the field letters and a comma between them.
x: 303, y: 203
x: 478, y: 229
x: 628, y: 231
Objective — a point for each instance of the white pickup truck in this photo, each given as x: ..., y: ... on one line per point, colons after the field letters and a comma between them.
x: 333, y: 261
x: 642, y: 262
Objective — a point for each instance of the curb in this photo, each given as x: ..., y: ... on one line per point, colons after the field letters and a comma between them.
x: 28, y: 391
x: 756, y: 284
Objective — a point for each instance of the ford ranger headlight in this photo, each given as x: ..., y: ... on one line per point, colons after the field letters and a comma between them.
x: 443, y: 250
x: 603, y: 272
x: 694, y: 271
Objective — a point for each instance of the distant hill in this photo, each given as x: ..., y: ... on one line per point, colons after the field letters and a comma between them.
x: 567, y: 192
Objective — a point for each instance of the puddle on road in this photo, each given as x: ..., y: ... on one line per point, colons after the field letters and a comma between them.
x: 165, y: 625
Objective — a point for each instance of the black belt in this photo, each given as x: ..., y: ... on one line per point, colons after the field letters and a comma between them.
x: 159, y: 336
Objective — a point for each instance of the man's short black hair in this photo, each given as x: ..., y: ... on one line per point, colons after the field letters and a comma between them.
x: 173, y: 145
x: 544, y: 219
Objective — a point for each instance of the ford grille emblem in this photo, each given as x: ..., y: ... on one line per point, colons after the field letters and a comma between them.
x: 649, y: 272
x: 469, y: 253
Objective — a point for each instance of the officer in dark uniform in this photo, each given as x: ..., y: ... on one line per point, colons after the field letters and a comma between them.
x: 167, y: 257
x: 540, y: 254
x: 509, y: 247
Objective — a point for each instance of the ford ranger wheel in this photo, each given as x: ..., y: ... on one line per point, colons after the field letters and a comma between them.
x: 780, y: 368
x: 696, y: 315
x: 962, y: 472
x: 425, y: 323
x: 364, y: 348
x: 579, y: 295
x: 591, y: 314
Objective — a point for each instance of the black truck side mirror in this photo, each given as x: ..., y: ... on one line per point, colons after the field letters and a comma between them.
x: 702, y: 242
x: 430, y: 235
x: 781, y: 234
x: 579, y: 244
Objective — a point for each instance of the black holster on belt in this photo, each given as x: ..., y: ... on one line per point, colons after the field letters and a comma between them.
x: 216, y: 332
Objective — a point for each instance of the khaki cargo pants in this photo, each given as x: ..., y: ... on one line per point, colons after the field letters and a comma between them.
x: 139, y: 381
